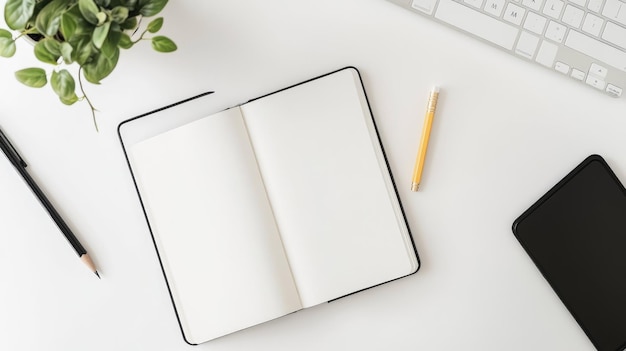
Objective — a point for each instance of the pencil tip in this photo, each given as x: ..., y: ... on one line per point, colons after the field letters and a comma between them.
x: 98, y: 275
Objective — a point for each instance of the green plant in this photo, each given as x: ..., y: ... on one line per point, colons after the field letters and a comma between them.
x: 87, y: 33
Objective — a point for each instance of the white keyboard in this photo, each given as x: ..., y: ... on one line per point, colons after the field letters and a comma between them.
x: 582, y: 39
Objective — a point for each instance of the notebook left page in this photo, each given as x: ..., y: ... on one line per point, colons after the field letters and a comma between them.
x: 213, y: 227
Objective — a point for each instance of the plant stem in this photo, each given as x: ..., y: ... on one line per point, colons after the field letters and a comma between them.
x: 26, y: 32
x: 93, y: 109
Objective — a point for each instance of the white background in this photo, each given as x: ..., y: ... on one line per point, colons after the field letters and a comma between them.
x: 504, y: 133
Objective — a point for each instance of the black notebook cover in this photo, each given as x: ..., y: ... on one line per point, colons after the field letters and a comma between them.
x: 163, y: 119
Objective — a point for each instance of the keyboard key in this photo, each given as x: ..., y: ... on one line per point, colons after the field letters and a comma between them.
x: 580, y: 3
x: 598, y: 70
x: 535, y: 23
x: 596, y: 49
x: 477, y: 23
x: 561, y: 67
x: 556, y: 32
x: 533, y: 4
x: 595, y: 82
x: 426, y: 6
x: 595, y: 5
x: 526, y: 45
x: 514, y: 14
x: 615, y: 34
x: 593, y: 24
x: 553, y: 8
x: 494, y: 7
x: 547, y: 53
x: 615, y: 10
x: 573, y: 16
x: 578, y: 74
x: 476, y: 3
x: 614, y: 90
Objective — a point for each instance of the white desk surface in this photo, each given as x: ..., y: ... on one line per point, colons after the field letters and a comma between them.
x: 504, y: 133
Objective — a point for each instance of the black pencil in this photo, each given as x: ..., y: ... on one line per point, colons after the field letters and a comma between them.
x: 20, y: 165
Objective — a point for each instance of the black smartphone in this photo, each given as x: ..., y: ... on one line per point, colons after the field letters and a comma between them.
x: 576, y: 236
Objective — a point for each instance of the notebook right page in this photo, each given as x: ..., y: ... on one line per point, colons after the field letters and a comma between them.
x: 329, y: 187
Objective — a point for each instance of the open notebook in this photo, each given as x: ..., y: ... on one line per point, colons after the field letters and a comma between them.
x: 276, y: 205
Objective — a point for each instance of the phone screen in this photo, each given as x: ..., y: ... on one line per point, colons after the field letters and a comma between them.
x: 576, y: 236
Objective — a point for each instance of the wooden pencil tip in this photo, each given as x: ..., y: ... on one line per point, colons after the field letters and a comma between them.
x: 89, y: 263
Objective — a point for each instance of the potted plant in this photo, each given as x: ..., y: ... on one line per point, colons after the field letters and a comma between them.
x: 87, y: 33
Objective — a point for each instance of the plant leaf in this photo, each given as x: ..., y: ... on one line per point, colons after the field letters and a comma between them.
x: 125, y: 42
x: 109, y: 48
x: 69, y: 100
x: 89, y: 10
x: 130, y: 4
x: 18, y: 12
x: 102, y: 17
x: 163, y: 44
x: 63, y: 84
x: 49, y: 18
x: 83, y: 50
x: 100, y: 35
x: 130, y: 23
x: 151, y: 7
x: 101, y: 67
x: 7, y: 47
x: 32, y: 77
x: 5, y: 34
x: 68, y: 25
x: 48, y: 51
x: 155, y: 25
x: 103, y: 3
x: 52, y: 46
x: 66, y: 52
x: 119, y: 14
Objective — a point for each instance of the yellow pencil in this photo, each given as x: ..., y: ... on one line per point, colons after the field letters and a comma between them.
x: 421, y: 153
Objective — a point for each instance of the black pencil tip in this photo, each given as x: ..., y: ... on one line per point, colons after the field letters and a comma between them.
x: 98, y: 275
